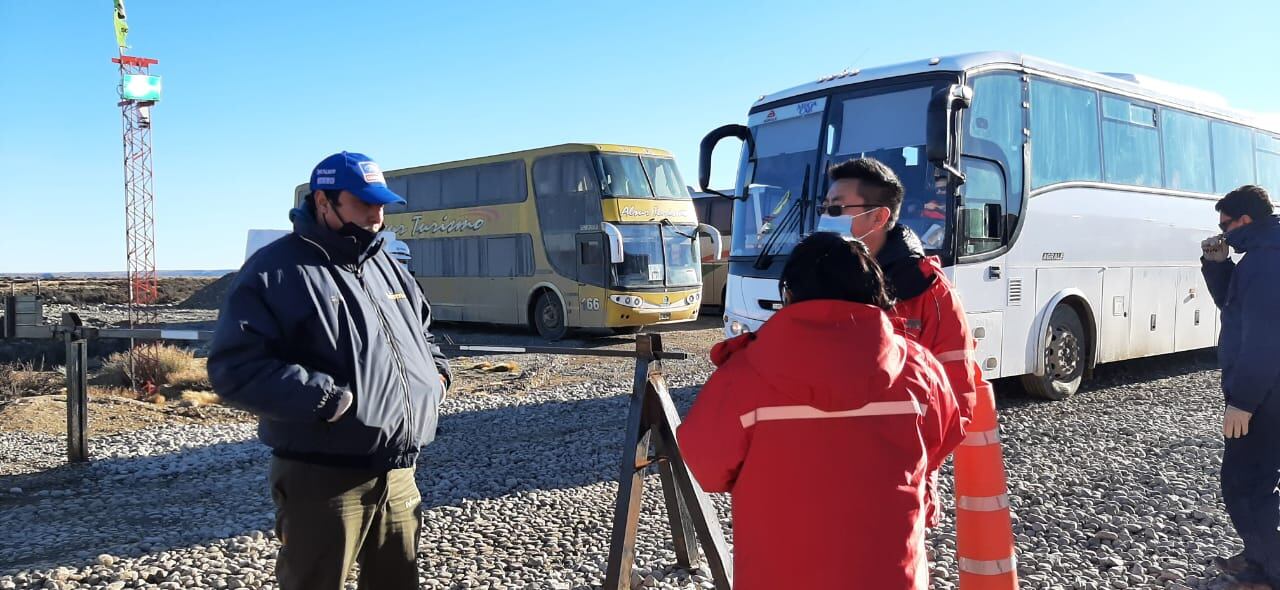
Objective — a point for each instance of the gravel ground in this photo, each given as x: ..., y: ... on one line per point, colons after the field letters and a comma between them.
x: 1116, y: 488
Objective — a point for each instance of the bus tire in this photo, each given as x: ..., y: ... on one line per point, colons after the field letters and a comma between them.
x: 1066, y: 346
x: 548, y: 317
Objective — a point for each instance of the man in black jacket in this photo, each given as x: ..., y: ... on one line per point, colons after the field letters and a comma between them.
x: 325, y: 338
x: 1248, y: 346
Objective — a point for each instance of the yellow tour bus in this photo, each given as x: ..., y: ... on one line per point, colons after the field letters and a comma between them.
x: 554, y: 238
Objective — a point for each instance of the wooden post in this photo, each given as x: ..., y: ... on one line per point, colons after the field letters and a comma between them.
x: 635, y: 458
x: 77, y: 398
x: 690, y: 513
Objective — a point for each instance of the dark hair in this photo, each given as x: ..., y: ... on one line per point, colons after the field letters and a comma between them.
x: 827, y: 265
x: 1250, y: 199
x: 877, y: 183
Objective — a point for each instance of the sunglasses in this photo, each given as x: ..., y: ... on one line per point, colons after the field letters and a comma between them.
x: 1225, y: 225
x: 838, y: 210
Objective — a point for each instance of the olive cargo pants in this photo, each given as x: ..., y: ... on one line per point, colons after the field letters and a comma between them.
x: 328, y: 518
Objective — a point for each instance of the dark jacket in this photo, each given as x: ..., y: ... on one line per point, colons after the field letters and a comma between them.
x: 1248, y: 294
x: 312, y: 315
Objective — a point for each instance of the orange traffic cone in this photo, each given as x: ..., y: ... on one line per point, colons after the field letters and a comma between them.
x: 984, y: 525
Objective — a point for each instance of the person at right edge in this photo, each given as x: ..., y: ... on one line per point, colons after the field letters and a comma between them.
x: 1247, y: 292
x: 863, y: 202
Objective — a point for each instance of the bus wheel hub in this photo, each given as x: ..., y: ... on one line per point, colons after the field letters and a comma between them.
x: 1063, y: 353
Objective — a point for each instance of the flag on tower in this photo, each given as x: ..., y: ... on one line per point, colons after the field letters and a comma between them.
x: 122, y: 27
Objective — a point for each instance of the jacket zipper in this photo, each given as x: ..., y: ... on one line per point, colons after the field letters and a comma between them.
x: 395, y: 353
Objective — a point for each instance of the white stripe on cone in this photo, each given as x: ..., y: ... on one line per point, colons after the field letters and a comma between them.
x: 994, y: 567
x: 982, y: 504
x: 982, y: 438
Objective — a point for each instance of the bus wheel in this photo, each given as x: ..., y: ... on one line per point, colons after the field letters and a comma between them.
x: 1064, y: 357
x: 548, y: 317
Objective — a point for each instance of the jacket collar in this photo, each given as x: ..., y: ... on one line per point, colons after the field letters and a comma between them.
x: 900, y: 258
x: 339, y: 249
x: 1259, y: 233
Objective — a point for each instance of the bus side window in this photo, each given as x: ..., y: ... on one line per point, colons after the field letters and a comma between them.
x: 981, y: 224
x: 590, y: 252
x: 994, y: 130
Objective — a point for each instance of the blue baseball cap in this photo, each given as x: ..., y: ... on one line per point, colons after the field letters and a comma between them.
x: 356, y: 173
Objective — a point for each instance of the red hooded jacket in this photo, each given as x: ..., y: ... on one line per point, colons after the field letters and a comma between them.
x: 929, y: 312
x: 823, y: 425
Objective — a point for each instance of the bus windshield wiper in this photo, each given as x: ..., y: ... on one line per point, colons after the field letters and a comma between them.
x: 666, y: 221
x: 765, y: 258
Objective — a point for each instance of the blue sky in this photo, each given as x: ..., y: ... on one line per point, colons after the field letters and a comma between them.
x: 257, y: 92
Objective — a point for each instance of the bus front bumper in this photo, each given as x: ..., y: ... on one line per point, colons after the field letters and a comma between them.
x: 647, y: 310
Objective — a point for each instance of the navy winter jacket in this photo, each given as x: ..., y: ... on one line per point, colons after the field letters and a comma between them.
x: 1248, y: 294
x: 310, y: 316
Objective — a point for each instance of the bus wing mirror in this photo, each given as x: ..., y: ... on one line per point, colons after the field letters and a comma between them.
x: 940, y: 141
x: 616, y: 253
x: 708, y: 146
x: 716, y: 240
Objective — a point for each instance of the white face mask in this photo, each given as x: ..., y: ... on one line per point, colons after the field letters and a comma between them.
x: 843, y: 224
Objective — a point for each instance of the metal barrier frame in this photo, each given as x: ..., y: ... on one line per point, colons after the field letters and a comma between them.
x: 652, y: 421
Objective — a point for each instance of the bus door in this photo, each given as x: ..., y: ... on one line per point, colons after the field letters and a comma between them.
x: 592, y: 277
x: 980, y: 274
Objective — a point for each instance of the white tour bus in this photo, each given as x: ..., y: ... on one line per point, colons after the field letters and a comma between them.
x: 1067, y: 205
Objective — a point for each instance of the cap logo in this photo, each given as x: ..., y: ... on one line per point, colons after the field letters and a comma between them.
x: 326, y: 180
x: 372, y: 173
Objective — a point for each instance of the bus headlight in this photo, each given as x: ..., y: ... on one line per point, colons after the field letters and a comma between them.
x: 692, y: 299
x: 627, y: 300
x: 736, y: 328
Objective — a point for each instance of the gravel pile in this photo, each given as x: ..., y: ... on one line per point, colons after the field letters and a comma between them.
x: 1116, y: 488
x: 211, y: 295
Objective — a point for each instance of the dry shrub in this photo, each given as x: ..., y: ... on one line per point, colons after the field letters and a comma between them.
x: 27, y: 379
x: 506, y: 367
x: 159, y: 364
x: 194, y: 377
x: 201, y: 398
x: 124, y: 392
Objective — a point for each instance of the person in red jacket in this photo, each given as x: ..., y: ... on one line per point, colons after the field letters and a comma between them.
x: 864, y: 200
x: 824, y: 425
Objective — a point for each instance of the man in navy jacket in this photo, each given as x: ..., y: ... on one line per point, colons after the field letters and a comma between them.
x: 1248, y: 293
x: 325, y: 337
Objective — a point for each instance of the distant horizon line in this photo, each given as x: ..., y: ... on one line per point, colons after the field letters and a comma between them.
x: 197, y: 272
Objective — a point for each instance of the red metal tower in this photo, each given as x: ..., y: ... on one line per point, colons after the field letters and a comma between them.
x: 140, y: 221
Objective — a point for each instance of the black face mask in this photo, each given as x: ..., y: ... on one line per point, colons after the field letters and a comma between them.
x: 362, y: 236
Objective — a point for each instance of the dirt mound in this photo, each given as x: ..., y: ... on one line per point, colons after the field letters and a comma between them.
x: 81, y: 292
x: 108, y: 414
x: 211, y: 295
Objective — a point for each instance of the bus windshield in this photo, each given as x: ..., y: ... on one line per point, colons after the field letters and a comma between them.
x: 626, y: 175
x: 657, y: 257
x: 889, y: 125
x: 786, y: 142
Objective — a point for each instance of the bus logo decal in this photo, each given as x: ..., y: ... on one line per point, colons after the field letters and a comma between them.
x: 806, y: 108
x: 1052, y: 256
x: 655, y: 213
x: 445, y: 225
